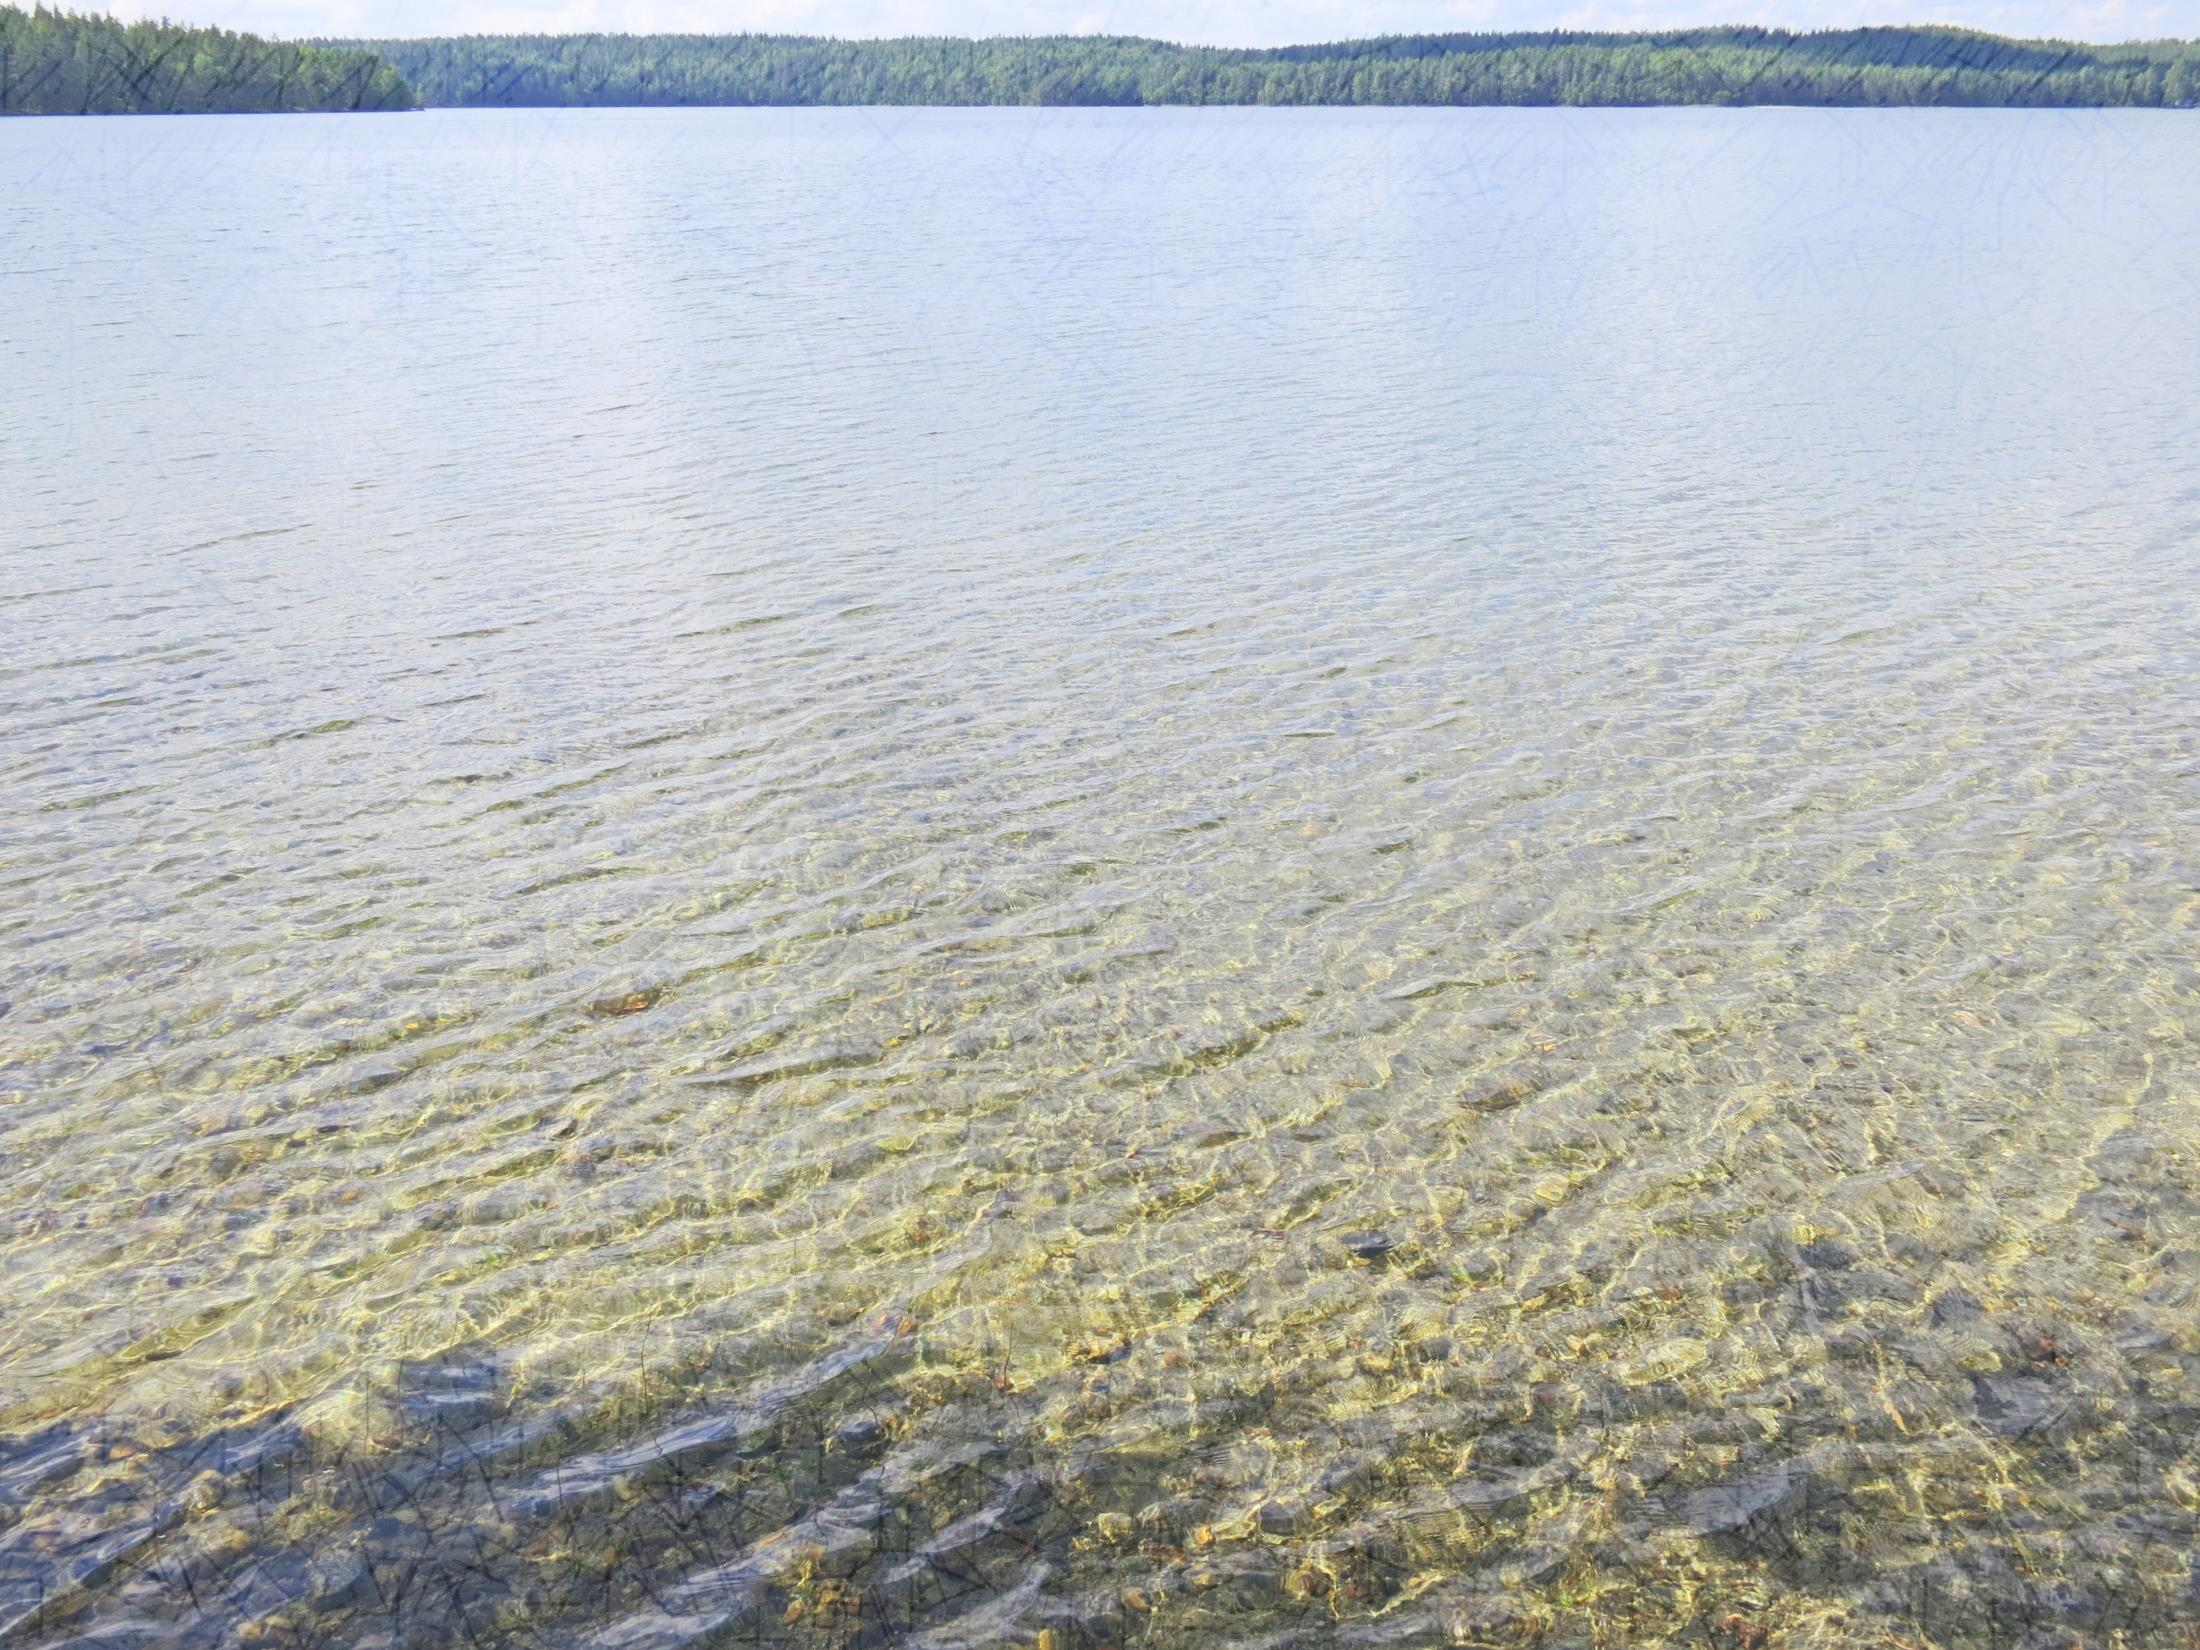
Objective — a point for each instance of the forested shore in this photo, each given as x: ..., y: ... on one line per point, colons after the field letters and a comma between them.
x: 54, y: 62
x: 1871, y: 67
x: 66, y: 63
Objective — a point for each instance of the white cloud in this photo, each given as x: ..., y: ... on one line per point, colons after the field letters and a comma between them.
x: 1221, y: 22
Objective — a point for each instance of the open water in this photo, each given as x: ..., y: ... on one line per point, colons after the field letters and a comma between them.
x: 1069, y: 878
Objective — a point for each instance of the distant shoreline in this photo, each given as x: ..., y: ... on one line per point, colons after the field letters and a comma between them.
x: 56, y: 63
x: 1862, y: 68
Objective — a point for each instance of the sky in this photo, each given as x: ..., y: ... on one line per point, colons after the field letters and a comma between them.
x: 1209, y: 22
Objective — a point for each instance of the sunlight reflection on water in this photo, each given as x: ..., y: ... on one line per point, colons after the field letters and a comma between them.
x: 1184, y: 877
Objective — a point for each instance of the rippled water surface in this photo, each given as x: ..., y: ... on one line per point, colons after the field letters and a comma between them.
x: 1100, y: 878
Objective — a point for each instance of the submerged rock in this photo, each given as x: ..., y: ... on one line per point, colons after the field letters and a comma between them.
x: 2015, y: 1405
x: 338, y: 1579
x: 862, y: 1433
x: 1371, y: 1245
x: 1745, y: 1505
x: 1506, y: 1090
x: 1827, y: 1255
x: 1952, y: 1306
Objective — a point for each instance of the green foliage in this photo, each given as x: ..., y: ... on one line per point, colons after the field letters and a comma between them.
x: 55, y: 62
x: 60, y: 63
x: 1882, y: 66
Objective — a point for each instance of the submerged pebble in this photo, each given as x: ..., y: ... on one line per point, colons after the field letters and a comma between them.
x: 1370, y: 1245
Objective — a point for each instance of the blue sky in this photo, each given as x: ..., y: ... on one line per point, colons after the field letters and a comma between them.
x: 1220, y: 22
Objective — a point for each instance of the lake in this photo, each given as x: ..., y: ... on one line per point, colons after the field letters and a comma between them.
x: 1072, y: 878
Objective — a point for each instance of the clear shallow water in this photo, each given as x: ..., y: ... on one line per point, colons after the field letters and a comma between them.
x: 1086, y: 878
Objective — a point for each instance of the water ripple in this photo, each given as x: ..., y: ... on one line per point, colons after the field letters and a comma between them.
x: 829, y: 877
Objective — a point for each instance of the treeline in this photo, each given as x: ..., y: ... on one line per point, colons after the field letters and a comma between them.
x: 61, y: 63
x: 56, y: 62
x: 1869, y: 67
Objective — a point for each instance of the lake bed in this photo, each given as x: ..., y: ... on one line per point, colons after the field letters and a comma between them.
x: 1094, y: 877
